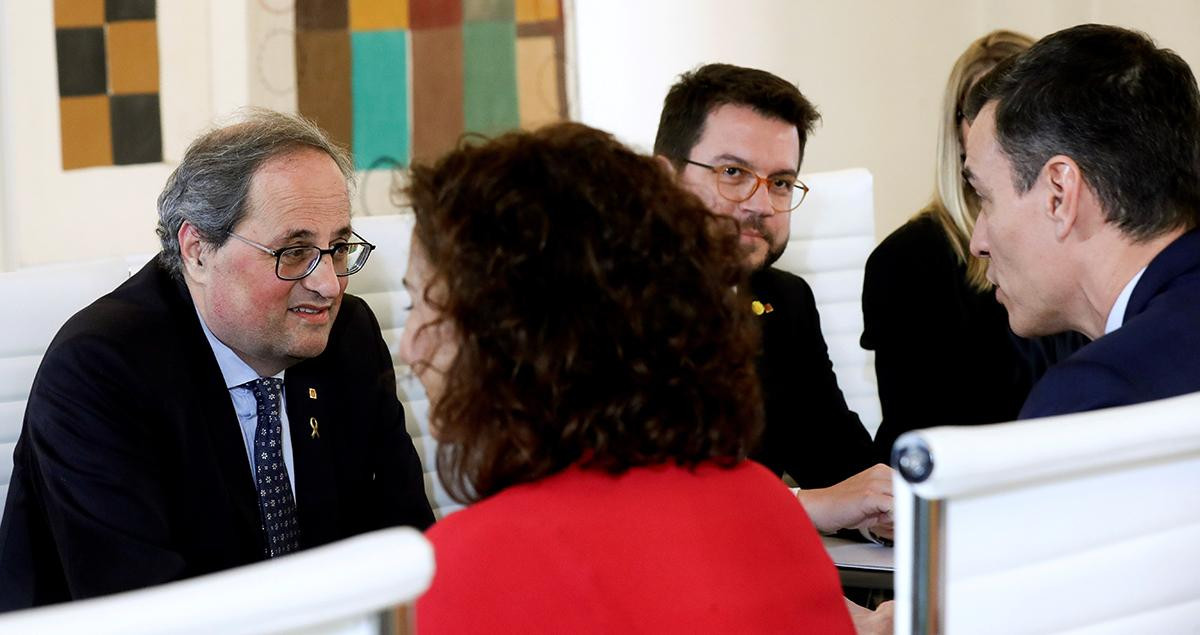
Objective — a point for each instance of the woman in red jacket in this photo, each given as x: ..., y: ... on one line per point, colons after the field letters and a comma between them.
x: 590, y: 369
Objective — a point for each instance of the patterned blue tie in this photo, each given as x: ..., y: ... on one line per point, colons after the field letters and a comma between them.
x: 279, y: 522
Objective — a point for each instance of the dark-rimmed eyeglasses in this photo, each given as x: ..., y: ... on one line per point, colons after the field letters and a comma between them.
x: 738, y: 183
x: 295, y: 263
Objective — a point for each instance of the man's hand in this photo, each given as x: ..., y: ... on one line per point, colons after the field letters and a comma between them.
x: 868, y: 622
x: 863, y: 501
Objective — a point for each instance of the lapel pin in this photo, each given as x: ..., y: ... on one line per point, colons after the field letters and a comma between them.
x: 312, y: 393
x: 312, y: 423
x: 759, y: 307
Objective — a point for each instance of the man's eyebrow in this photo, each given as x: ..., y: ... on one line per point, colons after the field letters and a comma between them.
x: 297, y: 234
x: 309, y: 235
x: 733, y: 158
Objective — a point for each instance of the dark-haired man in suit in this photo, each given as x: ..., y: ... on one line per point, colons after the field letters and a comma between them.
x: 228, y: 403
x: 735, y: 138
x: 1085, y: 153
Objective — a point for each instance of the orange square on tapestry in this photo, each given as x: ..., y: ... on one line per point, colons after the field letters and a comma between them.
x: 378, y: 15
x: 77, y: 13
x: 536, y: 11
x: 132, y: 57
x: 86, y: 131
x: 537, y: 82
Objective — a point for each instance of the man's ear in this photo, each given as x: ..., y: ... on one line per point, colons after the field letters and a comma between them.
x: 191, y: 249
x: 667, y: 165
x: 1063, y: 201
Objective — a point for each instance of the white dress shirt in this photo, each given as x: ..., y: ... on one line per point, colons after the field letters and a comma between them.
x: 1116, y: 317
x: 237, y: 372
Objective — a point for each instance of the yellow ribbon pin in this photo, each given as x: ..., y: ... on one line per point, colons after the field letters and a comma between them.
x: 759, y: 308
x: 312, y: 423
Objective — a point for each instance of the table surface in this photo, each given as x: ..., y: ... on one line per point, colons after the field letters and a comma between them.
x: 859, y: 555
x: 862, y: 565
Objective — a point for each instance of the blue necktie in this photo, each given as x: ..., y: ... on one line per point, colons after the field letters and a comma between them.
x: 275, y: 501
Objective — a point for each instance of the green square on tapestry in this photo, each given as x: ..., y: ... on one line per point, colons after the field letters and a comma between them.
x: 497, y: 10
x: 490, y: 76
x: 380, y: 89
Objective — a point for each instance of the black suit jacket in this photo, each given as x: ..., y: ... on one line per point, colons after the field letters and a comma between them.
x: 944, y: 354
x: 1154, y: 355
x: 131, y: 470
x: 810, y: 432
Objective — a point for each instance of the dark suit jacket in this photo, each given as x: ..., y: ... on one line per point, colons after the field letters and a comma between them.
x: 944, y: 354
x: 810, y: 432
x: 131, y: 469
x: 1154, y: 355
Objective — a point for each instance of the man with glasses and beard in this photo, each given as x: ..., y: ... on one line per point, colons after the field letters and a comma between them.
x: 228, y: 403
x: 735, y: 138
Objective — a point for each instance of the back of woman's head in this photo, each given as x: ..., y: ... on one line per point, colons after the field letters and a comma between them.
x: 594, y: 312
x: 954, y: 204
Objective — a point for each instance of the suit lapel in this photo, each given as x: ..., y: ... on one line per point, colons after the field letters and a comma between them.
x: 311, y: 426
x: 1180, y: 256
x: 215, y: 412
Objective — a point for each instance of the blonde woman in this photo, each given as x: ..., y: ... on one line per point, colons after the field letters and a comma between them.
x: 943, y: 351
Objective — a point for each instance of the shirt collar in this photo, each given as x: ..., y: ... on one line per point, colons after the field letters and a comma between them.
x: 235, y: 371
x: 1116, y: 317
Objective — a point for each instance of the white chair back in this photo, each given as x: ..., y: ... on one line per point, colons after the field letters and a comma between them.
x: 346, y: 587
x: 1083, y: 522
x: 832, y: 234
x: 381, y: 284
x: 41, y: 300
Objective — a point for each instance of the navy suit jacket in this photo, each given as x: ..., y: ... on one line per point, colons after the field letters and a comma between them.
x: 131, y: 469
x: 1154, y: 355
x: 810, y: 432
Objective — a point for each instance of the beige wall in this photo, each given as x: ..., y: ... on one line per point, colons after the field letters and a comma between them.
x: 875, y: 69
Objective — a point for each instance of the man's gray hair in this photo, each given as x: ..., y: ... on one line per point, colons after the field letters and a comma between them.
x: 210, y: 187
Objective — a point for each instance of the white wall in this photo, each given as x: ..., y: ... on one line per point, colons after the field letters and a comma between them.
x: 51, y: 215
x: 875, y: 68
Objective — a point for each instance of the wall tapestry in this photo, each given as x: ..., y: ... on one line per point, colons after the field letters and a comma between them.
x: 108, y: 85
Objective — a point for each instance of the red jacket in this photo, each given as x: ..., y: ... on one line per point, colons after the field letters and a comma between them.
x: 655, y: 550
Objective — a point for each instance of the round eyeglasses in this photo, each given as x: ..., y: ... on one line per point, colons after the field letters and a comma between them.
x: 294, y: 263
x: 738, y: 183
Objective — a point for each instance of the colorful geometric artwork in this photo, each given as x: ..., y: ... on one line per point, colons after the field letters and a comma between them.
x: 108, y: 82
x: 397, y: 80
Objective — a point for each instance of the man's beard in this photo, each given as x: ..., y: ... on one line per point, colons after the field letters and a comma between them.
x: 774, y: 252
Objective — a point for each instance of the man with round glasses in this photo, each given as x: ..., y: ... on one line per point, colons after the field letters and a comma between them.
x: 735, y: 138
x: 228, y: 403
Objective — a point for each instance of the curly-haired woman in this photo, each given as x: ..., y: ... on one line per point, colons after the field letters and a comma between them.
x: 590, y: 368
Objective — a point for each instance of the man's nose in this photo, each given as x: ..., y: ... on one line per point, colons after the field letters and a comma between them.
x: 323, y: 280
x: 979, y: 242
x: 759, y: 202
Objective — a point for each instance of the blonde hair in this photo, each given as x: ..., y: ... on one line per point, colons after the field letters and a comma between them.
x: 954, y: 206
